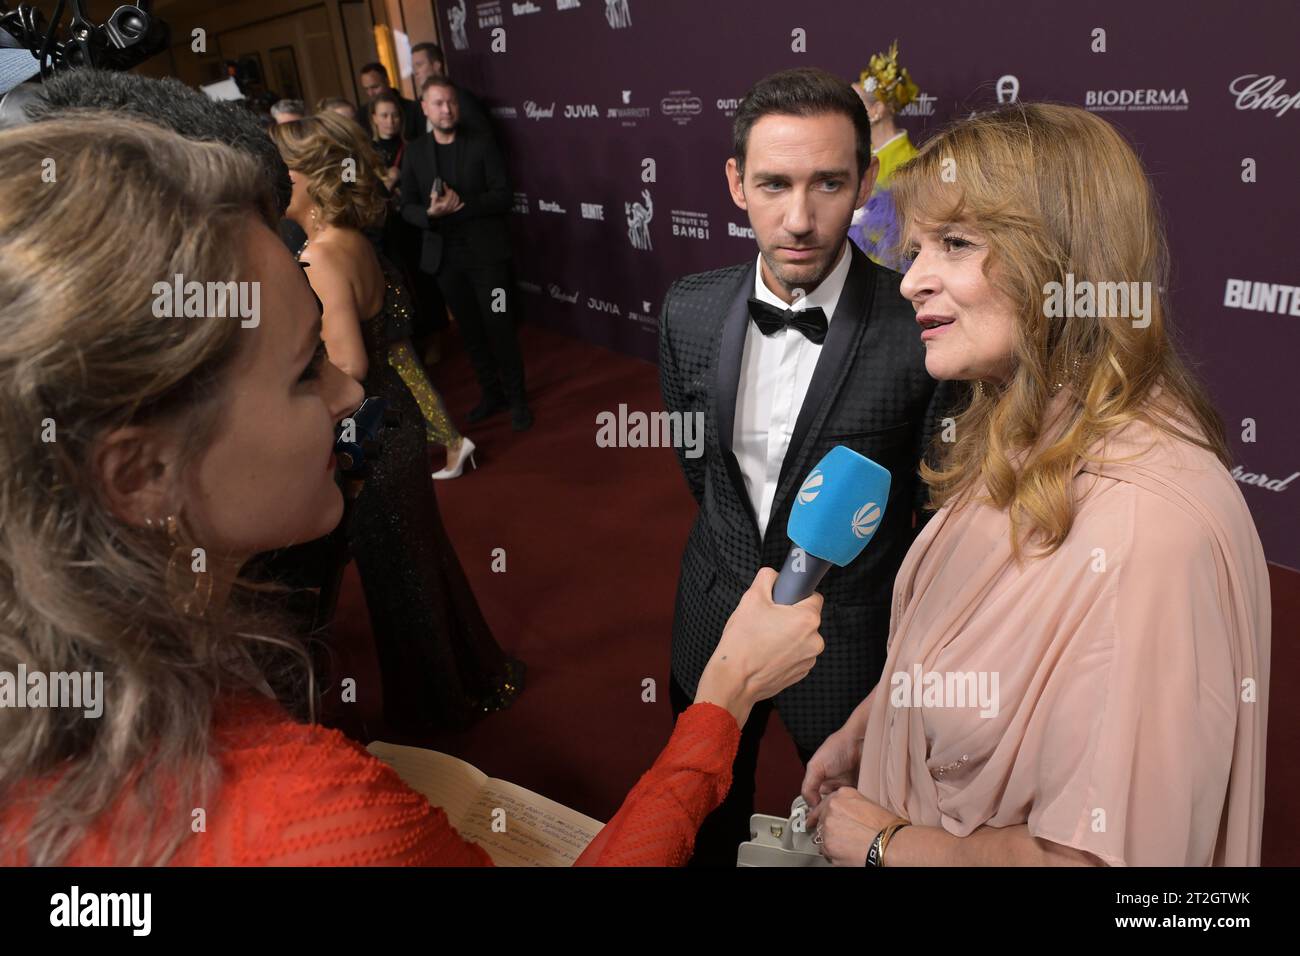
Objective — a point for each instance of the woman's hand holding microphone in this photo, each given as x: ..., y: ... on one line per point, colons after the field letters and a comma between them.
x: 765, y: 648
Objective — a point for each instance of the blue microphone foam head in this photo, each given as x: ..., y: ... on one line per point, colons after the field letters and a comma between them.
x: 839, y: 506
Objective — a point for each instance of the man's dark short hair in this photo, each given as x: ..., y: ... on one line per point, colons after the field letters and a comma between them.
x: 436, y: 81
x: 374, y: 68
x: 430, y: 50
x: 168, y: 103
x: 806, y: 91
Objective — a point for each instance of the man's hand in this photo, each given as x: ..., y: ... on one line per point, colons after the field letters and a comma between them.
x: 446, y: 204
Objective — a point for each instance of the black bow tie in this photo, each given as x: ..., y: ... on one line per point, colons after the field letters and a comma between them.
x: 769, y: 319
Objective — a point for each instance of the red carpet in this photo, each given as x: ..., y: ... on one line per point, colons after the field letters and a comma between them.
x: 592, y: 539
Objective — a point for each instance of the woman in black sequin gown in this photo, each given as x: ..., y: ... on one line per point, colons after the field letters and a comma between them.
x: 440, y: 664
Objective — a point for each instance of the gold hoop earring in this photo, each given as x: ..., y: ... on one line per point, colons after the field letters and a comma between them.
x: 188, y: 589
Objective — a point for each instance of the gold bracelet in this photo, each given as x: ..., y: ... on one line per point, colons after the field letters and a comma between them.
x: 888, y: 835
x: 876, y: 852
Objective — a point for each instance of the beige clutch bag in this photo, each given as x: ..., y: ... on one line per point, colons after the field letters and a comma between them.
x: 780, y: 841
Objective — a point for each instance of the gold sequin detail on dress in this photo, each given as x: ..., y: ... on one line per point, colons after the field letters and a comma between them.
x: 437, y: 423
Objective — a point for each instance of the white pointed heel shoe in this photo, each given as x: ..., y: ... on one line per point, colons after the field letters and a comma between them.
x: 453, y: 471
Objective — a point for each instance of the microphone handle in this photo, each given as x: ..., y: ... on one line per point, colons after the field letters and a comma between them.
x: 793, y: 584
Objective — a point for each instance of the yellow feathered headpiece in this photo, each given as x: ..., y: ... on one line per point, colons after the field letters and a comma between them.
x: 890, y: 83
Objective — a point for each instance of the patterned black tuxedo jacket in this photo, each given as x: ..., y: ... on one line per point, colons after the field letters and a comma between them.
x: 869, y: 391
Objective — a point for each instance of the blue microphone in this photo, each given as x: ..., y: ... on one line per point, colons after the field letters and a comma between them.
x: 837, y: 511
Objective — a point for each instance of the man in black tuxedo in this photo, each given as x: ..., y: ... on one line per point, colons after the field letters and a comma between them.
x: 776, y: 394
x: 467, y: 244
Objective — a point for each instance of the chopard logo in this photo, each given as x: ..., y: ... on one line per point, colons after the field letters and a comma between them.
x: 1255, y: 92
x: 535, y: 112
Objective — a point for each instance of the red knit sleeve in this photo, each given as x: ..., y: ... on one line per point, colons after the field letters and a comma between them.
x: 657, y: 823
x: 299, y: 795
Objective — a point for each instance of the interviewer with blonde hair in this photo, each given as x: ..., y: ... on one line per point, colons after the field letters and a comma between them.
x: 1079, y: 643
x: 132, y: 437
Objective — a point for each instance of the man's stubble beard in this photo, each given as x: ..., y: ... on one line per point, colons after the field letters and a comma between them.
x: 782, y: 275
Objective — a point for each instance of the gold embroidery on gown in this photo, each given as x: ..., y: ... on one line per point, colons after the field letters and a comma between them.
x: 437, y: 423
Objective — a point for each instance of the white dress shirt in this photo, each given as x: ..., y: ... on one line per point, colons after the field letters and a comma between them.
x: 775, y: 371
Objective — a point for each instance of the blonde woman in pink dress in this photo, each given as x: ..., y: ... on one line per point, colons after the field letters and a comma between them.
x: 1079, y: 643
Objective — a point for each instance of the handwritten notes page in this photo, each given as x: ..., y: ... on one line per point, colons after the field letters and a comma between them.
x: 515, y: 826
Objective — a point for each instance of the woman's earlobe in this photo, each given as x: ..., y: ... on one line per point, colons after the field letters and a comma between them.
x: 132, y: 476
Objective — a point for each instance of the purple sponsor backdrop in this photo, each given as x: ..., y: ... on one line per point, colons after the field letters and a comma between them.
x: 594, y: 98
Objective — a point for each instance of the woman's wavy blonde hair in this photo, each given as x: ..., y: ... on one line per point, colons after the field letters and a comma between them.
x: 1056, y: 191
x: 342, y: 168
x: 97, y: 209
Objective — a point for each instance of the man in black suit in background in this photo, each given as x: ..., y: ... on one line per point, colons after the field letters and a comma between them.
x: 776, y: 396
x: 426, y: 61
x: 455, y: 188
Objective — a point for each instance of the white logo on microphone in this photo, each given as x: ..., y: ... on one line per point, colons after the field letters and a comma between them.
x: 812, y: 486
x: 866, y: 519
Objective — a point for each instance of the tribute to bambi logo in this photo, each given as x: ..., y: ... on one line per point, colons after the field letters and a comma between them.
x: 208, y: 300
x: 617, y: 14
x: 638, y: 221
x: 456, y: 17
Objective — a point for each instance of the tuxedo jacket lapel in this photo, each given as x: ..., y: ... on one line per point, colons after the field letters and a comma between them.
x: 730, y: 351
x: 833, y: 364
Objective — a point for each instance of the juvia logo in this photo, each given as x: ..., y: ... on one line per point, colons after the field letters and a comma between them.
x: 812, y: 486
x: 866, y: 519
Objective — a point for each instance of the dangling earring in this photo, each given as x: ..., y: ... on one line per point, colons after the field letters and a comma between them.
x: 188, y: 590
x: 979, y: 388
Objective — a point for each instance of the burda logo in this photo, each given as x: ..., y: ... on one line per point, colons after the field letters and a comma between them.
x: 520, y: 9
x: 1255, y: 92
x: 1135, y: 100
x: 740, y: 232
x: 535, y: 112
x: 545, y: 206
